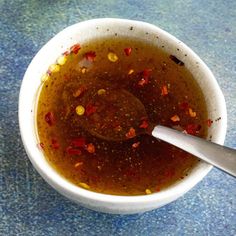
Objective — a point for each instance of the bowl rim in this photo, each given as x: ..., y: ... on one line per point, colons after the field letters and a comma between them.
x: 67, y: 188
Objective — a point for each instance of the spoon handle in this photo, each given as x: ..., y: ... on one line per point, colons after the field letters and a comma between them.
x: 220, y: 156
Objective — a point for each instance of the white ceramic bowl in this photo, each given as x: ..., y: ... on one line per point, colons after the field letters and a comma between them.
x: 80, y: 33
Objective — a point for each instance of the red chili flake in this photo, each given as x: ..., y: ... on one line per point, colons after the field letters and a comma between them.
x: 145, y: 77
x: 164, y: 90
x: 75, y: 48
x: 131, y: 133
x: 193, y: 129
x: 90, y: 109
x: 78, y: 142
x: 158, y: 189
x: 175, y: 118
x: 146, y: 73
x: 55, y: 144
x: 209, y: 122
x: 49, y: 118
x: 73, y: 151
x: 66, y: 53
x: 135, y: 145
x: 90, y: 56
x: 144, y: 124
x: 40, y: 146
x: 127, y: 51
x: 184, y: 106
x: 79, y: 92
x: 90, y: 148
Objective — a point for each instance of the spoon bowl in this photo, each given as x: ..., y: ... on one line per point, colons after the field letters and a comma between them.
x: 117, y: 111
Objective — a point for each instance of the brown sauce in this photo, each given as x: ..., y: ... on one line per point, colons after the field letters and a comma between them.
x: 138, y: 165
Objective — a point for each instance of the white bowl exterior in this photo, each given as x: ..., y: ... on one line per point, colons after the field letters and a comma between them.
x: 80, y: 33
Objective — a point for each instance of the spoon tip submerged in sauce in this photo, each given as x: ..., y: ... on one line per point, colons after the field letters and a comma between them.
x: 119, y: 115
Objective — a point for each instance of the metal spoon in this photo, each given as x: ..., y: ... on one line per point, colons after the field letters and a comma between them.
x: 118, y: 110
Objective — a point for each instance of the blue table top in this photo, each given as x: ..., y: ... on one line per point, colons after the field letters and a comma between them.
x: 28, y: 206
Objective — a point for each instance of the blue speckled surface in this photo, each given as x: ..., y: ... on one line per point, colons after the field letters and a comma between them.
x: 28, y: 206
